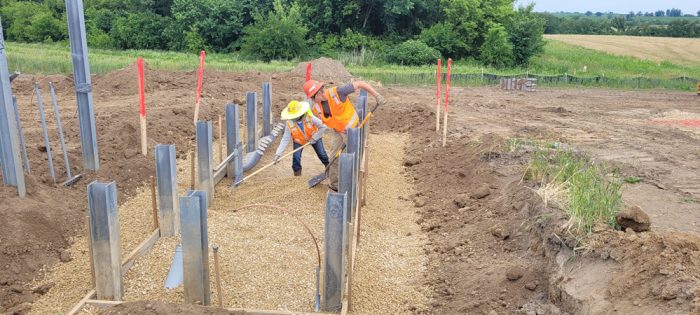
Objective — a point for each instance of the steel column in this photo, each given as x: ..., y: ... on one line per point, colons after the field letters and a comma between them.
x: 21, y: 136
x: 12, y: 173
x: 83, y: 84
x: 47, y: 143
x: 104, y: 229
x: 166, y: 181
x: 334, y: 231
x: 251, y: 116
x: 233, y: 127
x: 354, y: 147
x: 266, y: 108
x: 346, y: 181
x: 201, y: 195
x: 60, y: 130
x: 205, y: 162
x: 192, y: 251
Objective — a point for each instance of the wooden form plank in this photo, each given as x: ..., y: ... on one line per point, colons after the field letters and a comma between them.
x: 105, y: 303
x: 82, y: 302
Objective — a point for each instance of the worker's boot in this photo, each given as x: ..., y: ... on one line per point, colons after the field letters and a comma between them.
x: 297, y: 173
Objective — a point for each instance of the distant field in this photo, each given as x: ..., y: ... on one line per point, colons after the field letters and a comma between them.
x: 674, y: 50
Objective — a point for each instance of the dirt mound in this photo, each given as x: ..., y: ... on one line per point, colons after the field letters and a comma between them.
x: 323, y: 69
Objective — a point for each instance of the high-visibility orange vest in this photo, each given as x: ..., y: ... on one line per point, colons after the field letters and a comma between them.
x: 343, y: 114
x: 298, y: 136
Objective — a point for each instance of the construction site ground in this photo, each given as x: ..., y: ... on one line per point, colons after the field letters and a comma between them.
x: 425, y: 247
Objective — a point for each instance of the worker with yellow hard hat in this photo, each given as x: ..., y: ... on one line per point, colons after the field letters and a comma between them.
x: 302, y: 127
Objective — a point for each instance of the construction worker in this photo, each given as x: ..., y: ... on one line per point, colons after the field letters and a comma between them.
x: 302, y: 127
x: 336, y: 111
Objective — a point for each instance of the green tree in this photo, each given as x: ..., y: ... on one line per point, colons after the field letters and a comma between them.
x: 140, y: 31
x: 525, y: 32
x: 472, y: 19
x: 32, y: 22
x: 444, y: 38
x: 413, y: 53
x: 619, y: 24
x: 280, y: 34
x: 497, y: 51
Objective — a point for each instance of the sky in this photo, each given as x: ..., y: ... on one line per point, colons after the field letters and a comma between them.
x: 617, y: 6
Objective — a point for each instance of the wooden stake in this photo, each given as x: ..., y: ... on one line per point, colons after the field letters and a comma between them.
x: 217, y: 270
x: 444, y: 130
x: 89, y: 244
x: 154, y: 205
x: 192, y: 171
x: 144, y: 138
x: 221, y: 142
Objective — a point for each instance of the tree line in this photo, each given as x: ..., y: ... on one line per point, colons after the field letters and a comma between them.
x: 410, y: 32
x: 637, y: 24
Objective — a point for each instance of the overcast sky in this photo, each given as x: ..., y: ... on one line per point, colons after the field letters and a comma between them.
x: 617, y: 6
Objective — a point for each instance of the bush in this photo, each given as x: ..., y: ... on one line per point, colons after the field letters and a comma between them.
x: 279, y: 35
x: 413, y: 53
x: 140, y: 31
x: 497, y: 51
x: 32, y: 22
x: 444, y: 38
x: 525, y: 33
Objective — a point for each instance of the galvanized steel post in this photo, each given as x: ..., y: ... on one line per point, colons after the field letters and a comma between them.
x: 60, y: 130
x: 202, y: 196
x: 47, y: 143
x: 251, y: 116
x: 83, y: 85
x: 21, y: 136
x: 104, y: 229
x: 166, y: 182
x: 191, y: 212
x: 266, y: 108
x: 334, y: 231
x: 353, y: 146
x: 232, y: 138
x: 347, y: 182
x: 205, y: 162
x: 12, y: 173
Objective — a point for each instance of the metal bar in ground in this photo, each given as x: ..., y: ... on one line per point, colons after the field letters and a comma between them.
x: 251, y: 116
x: 232, y: 138
x: 83, y: 84
x: 334, y: 271
x: 166, y: 182
x: 346, y: 180
x: 60, y: 129
x: 12, y: 173
x: 201, y: 195
x: 362, y: 113
x: 238, y: 165
x: 266, y: 108
x: 104, y: 229
x: 21, y: 136
x: 205, y: 162
x: 193, y: 266
x: 47, y: 143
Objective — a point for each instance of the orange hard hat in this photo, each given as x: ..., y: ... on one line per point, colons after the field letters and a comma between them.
x: 311, y: 87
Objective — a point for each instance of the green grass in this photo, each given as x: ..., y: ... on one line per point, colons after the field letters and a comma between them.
x: 591, y: 193
x: 558, y: 59
x: 56, y: 58
x: 632, y: 180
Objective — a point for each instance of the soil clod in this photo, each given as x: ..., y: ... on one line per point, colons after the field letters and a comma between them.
x: 514, y: 273
x: 634, y: 218
x: 481, y: 192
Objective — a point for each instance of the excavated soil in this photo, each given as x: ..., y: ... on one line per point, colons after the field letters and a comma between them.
x: 493, y: 247
x: 323, y: 69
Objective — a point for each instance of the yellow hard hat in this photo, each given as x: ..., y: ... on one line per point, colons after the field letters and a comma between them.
x: 294, y: 110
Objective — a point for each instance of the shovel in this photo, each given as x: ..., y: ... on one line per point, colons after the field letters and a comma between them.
x: 320, y: 177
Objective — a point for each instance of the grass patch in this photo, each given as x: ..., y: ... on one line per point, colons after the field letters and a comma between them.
x: 587, y: 192
x: 556, y: 65
x: 632, y: 180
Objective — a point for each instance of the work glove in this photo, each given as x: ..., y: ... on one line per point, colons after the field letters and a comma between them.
x: 380, y: 100
x: 276, y: 160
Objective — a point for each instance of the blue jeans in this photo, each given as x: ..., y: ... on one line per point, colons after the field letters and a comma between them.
x: 320, y: 152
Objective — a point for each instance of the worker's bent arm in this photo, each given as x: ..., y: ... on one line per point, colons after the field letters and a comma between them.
x: 285, y: 141
x: 319, y: 124
x: 365, y: 86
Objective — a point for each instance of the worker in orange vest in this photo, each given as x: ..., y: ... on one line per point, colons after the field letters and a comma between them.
x: 302, y: 127
x: 336, y: 111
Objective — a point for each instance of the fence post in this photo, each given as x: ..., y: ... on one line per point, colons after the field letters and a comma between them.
x: 83, y: 85
x: 267, y: 108
x: 104, y: 231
